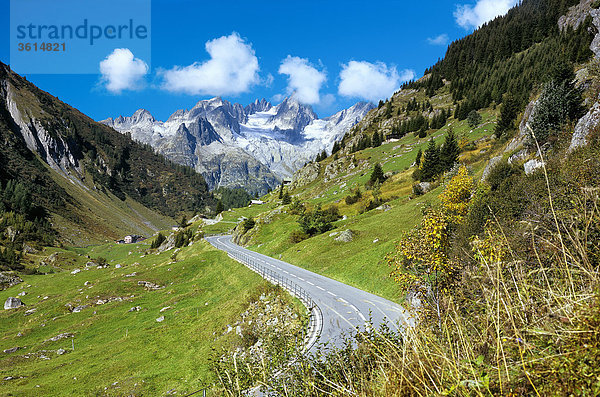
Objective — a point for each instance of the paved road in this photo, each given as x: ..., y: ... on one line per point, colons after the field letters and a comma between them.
x: 343, y: 307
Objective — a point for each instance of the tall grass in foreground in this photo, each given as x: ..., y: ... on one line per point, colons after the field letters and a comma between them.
x: 521, y: 318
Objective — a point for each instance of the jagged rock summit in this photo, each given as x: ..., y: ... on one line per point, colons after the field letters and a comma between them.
x: 253, y: 146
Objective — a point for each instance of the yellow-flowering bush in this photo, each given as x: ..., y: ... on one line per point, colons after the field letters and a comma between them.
x: 420, y: 262
x: 455, y: 198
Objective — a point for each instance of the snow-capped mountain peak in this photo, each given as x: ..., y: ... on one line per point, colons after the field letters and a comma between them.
x: 258, y: 106
x: 232, y: 145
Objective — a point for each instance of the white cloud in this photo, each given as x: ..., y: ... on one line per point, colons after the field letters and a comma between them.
x: 268, y: 81
x: 232, y: 69
x: 469, y: 16
x: 278, y: 98
x: 371, y: 81
x: 327, y: 100
x: 439, y: 40
x: 304, y: 80
x: 122, y: 71
x: 407, y: 75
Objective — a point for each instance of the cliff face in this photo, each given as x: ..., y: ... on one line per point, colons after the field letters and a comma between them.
x: 84, y: 172
x: 52, y: 148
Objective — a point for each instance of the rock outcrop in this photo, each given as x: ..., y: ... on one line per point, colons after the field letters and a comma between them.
x: 306, y: 175
x: 345, y: 237
x: 8, y: 279
x: 13, y: 303
x: 584, y: 126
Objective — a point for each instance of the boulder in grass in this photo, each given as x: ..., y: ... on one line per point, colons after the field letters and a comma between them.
x: 13, y: 303
x: 149, y: 286
x: 58, y: 337
x: 345, y: 237
x: 532, y: 165
x: 12, y: 349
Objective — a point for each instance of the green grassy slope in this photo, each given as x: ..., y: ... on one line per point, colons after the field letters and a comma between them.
x: 118, y: 352
x: 102, y: 215
x: 361, y: 262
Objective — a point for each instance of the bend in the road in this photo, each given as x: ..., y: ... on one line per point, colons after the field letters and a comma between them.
x: 343, y: 308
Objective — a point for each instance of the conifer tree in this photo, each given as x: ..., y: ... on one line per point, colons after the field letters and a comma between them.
x: 183, y: 222
x: 559, y: 103
x: 449, y: 152
x: 388, y: 110
x: 376, y: 141
x: 418, y: 158
x: 336, y: 147
x: 431, y: 162
x: 377, y: 175
x: 508, y: 115
x: 286, y: 199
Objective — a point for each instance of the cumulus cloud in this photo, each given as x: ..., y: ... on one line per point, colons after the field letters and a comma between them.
x: 304, y: 80
x: 232, y: 69
x: 122, y: 71
x: 473, y: 16
x: 439, y: 40
x: 371, y: 81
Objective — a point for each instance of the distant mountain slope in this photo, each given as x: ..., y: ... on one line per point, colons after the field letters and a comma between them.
x: 89, y: 177
x: 253, y: 147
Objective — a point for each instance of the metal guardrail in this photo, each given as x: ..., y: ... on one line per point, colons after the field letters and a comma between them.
x: 315, y: 325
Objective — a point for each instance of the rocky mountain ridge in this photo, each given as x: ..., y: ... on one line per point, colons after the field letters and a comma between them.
x: 253, y: 146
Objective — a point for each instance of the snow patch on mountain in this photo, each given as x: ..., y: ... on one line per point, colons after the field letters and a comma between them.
x: 262, y: 143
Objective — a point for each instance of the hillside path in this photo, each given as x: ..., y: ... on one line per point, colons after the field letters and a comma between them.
x: 341, y: 308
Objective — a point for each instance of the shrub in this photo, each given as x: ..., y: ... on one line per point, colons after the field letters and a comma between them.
x: 100, y: 261
x: 474, y: 118
x: 296, y: 207
x: 456, y: 196
x: 160, y: 238
x: 248, y: 224
x: 183, y: 238
x: 354, y: 197
x: 298, y: 236
x: 318, y: 221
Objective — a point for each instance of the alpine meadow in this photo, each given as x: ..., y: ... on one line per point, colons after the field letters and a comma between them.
x: 286, y: 207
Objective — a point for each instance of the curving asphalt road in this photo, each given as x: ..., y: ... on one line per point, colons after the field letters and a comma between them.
x: 343, y: 308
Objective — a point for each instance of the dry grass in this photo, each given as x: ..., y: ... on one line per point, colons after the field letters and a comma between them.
x: 523, y: 317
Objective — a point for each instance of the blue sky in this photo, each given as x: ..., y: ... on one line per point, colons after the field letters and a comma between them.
x: 330, y: 54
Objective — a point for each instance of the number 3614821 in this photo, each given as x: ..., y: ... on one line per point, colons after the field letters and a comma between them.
x: 41, y: 47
